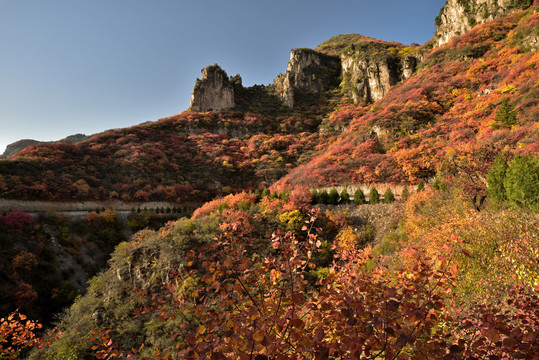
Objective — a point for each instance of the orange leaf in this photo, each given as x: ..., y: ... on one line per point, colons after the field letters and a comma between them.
x: 258, y: 336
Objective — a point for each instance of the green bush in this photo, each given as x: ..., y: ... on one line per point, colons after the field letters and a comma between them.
x: 420, y: 185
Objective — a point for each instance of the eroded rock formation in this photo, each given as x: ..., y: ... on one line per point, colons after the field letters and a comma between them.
x: 368, y: 79
x: 213, y: 92
x: 308, y: 72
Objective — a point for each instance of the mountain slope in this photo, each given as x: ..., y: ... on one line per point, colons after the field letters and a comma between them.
x: 450, y: 109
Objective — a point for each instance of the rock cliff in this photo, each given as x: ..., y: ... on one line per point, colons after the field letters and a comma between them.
x: 214, y: 91
x: 309, y: 72
x: 459, y: 16
x: 369, y: 67
x: 368, y: 79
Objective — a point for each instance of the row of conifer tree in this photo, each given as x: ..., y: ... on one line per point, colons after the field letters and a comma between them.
x: 333, y: 197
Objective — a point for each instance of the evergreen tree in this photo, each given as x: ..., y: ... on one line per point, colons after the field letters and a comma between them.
x: 345, y: 197
x: 522, y: 181
x: 388, y: 196
x: 405, y: 193
x: 496, y: 178
x: 374, y: 196
x: 359, y: 197
x: 420, y: 185
x: 323, y: 197
x: 333, y: 196
x: 284, y: 195
x: 265, y: 192
x: 436, y: 184
x: 314, y: 196
x: 506, y: 114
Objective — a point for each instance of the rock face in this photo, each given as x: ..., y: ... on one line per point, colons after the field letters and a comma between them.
x: 213, y: 92
x: 308, y: 73
x: 365, y: 72
x: 368, y: 79
x: 459, y: 16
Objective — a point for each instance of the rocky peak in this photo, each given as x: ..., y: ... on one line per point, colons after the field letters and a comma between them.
x: 459, y: 16
x: 370, y: 66
x: 308, y: 72
x: 213, y: 91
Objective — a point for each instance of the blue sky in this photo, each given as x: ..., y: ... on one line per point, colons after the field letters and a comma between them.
x: 85, y: 66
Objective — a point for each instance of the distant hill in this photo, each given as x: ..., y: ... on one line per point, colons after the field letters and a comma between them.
x: 20, y: 145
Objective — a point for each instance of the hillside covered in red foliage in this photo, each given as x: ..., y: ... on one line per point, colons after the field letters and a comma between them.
x: 472, y: 98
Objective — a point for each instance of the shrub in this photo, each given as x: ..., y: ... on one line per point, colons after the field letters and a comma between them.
x: 420, y: 185
x: 292, y: 220
x: 374, y: 196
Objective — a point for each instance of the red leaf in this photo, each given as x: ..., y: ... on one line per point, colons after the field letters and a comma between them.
x: 322, y: 354
x: 454, y: 269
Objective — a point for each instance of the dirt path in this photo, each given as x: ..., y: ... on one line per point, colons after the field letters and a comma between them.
x: 64, y: 206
